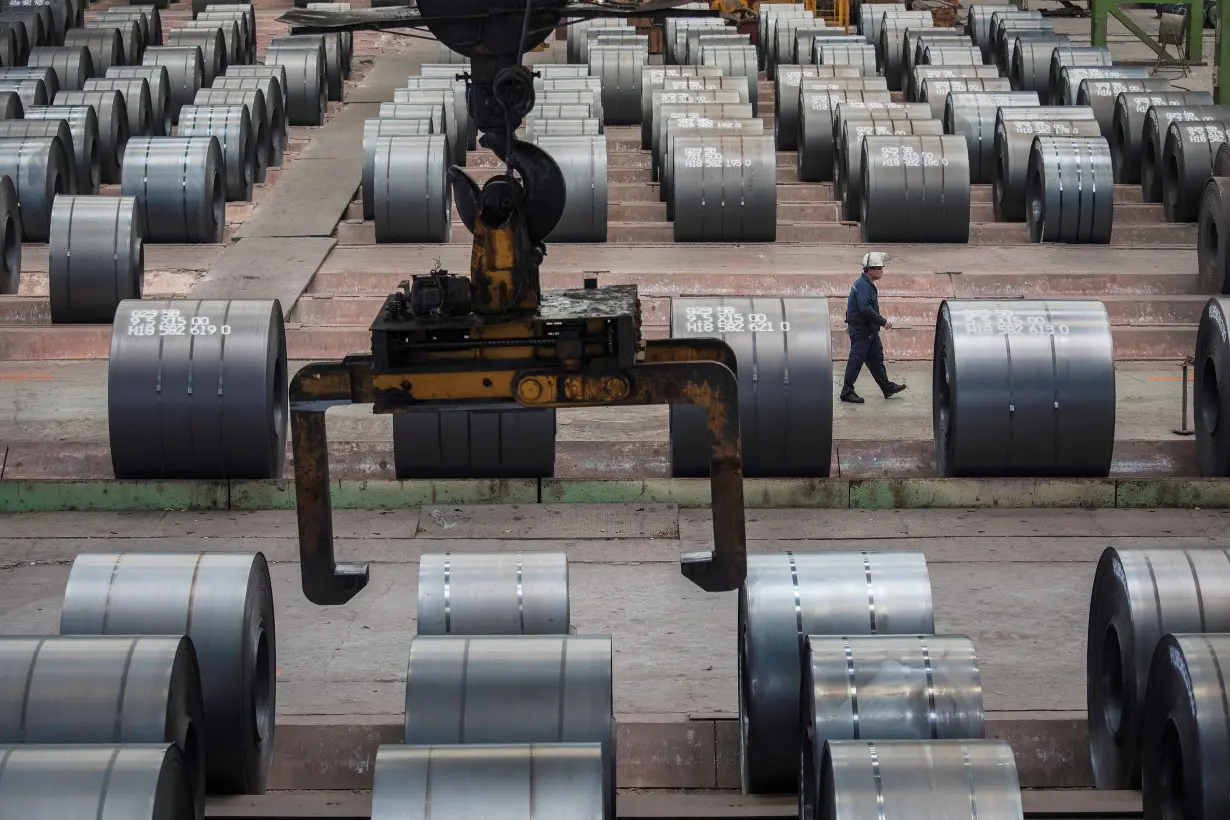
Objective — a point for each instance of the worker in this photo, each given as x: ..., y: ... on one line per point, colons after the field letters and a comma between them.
x: 863, y: 323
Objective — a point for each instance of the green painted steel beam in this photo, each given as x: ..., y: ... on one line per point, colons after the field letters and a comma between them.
x: 1101, y: 10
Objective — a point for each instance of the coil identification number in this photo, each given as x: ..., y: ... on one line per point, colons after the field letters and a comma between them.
x: 1005, y: 322
x: 172, y: 322
x: 729, y: 320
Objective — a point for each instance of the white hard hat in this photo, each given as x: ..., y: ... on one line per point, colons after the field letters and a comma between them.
x: 875, y: 259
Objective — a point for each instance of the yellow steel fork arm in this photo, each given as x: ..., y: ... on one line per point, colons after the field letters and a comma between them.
x: 706, y: 382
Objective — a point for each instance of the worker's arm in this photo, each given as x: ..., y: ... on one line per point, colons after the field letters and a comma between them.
x: 862, y: 297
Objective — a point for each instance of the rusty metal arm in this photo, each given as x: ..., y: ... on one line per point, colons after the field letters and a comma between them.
x: 691, y: 350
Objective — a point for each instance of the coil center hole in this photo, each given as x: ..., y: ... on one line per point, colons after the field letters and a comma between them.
x: 1112, y: 680
x: 262, y: 684
x: 1170, y: 783
x: 1210, y: 396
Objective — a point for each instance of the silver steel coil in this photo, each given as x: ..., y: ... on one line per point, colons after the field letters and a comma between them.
x: 763, y: 18
x: 264, y: 101
x: 212, y: 45
x: 725, y: 189
x: 234, y: 51
x: 105, y: 690
x: 1069, y: 190
x: 892, y: 33
x: 683, y: 104
x: 10, y: 238
x: 433, y: 113
x: 1063, y: 56
x: 246, y: 9
x: 815, y: 140
x: 934, y: 91
x: 978, y: 22
x: 31, y: 92
x: 653, y: 78
x: 699, y: 127
x: 671, y: 44
x: 1187, y: 164
x: 785, y: 371
x: 1212, y: 366
x: 243, y: 50
x: 808, y: 41
x: 136, y: 782
x: 1127, y: 126
x: 618, y: 36
x: 54, y: 16
x: 1101, y: 95
x: 659, y: 97
x: 671, y: 113
x: 697, y: 38
x: 412, y: 198
x: 619, y: 68
x: 51, y: 80
x: 1030, y: 66
x: 180, y: 181
x: 689, y: 84
x: 520, y: 781
x: 912, y: 38
x: 457, y: 117
x: 71, y: 65
x: 785, y: 598
x: 137, y: 101
x: 373, y: 129
x: 105, y: 46
x: 1041, y: 403
x: 587, y: 127
x: 330, y: 48
x: 1213, y: 231
x: 804, y: 36
x: 1186, y: 752
x: 915, y: 189
x: 1153, y: 136
x: 157, y: 80
x: 583, y: 162
x: 461, y: 113
x: 950, y: 55
x: 41, y: 169
x: 447, y: 55
x: 736, y: 62
x: 474, y: 444
x: 113, y: 134
x: 786, y: 97
x: 252, y: 99
x: 55, y: 128
x: 457, y: 692
x: 96, y: 257
x: 222, y: 601
x: 848, y: 162
x: 306, y: 91
x: 32, y: 22
x: 185, y: 68
x: 10, y: 106
x: 493, y: 593
x: 903, y: 778
x: 778, y: 30
x: 573, y: 91
x: 345, y: 38
x: 922, y: 73
x: 1006, y: 29
x: 232, y: 128
x: 902, y: 19
x: 870, y: 15
x: 1140, y: 596
x: 1026, y: 32
x: 416, y: 99
x: 148, y: 20
x: 860, y: 57
x: 83, y: 130
x: 132, y: 40
x: 866, y: 111
x: 560, y: 71
x: 276, y: 71
x: 884, y: 687
x: 1015, y: 129
x: 1070, y: 78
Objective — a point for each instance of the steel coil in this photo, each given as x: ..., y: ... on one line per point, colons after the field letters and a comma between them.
x: 785, y: 598
x: 180, y: 180
x: 951, y: 55
x: 1213, y: 232
x: 246, y: 9
x: 1070, y: 79
x: 185, y: 68
x: 222, y: 601
x: 1221, y: 161
x: 1212, y: 361
x: 785, y: 373
x: 1030, y: 67
x: 778, y: 30
x: 244, y: 48
x: 10, y: 106
x: 1187, y: 163
x: 21, y: 40
x: 447, y: 55
x: 786, y: 98
x: 10, y: 238
x: 54, y: 17
x: 457, y: 691
x: 934, y: 92
x: 1186, y: 724
x: 653, y: 78
x: 433, y: 113
x: 231, y: 127
x: 736, y: 62
x: 330, y: 48
x: 147, y: 18
x: 71, y: 65
x: 276, y: 71
x: 105, y: 46
x: 673, y: 113
x: 978, y: 21
x: 96, y: 257
x: 374, y: 128
x: 804, y: 36
x: 83, y: 133
x: 573, y: 91
x: 673, y: 46
x: 696, y: 39
x: 659, y: 97
x: 619, y: 68
x: 306, y: 92
x: 467, y: 128
x: 519, y: 781
x: 593, y: 36
x: 583, y: 162
x: 884, y: 687
x: 51, y: 81
x: 412, y: 197
x: 40, y: 169
x: 892, y: 33
x: 915, y: 189
x: 1069, y: 190
x: 912, y: 38
x: 1127, y: 126
x: 132, y: 40
x: 233, y: 50
x: 683, y: 105
x: 136, y: 782
x: 1153, y: 136
x: 699, y: 127
x: 870, y: 15
x: 922, y: 73
x: 112, y: 116
x: 902, y: 778
x: 55, y: 128
x: 1042, y: 403
x: 264, y: 101
x: 587, y: 127
x: 158, y: 80
x: 212, y: 45
x: 457, y: 120
x: 725, y: 189
x: 1063, y: 56
x: 816, y: 108
x: 435, y: 106
x: 137, y: 101
x: 346, y: 38
x: 1008, y: 31
x: 1015, y: 129
x: 865, y: 111
x: 500, y: 593
x: 860, y: 57
x: 31, y: 92
x: 1101, y: 95
x: 32, y: 22
x: 902, y: 17
x: 688, y: 84
x: 848, y: 161
x: 105, y: 690
x: 474, y: 444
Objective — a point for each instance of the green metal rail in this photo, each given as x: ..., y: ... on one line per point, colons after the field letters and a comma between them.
x: 1102, y: 9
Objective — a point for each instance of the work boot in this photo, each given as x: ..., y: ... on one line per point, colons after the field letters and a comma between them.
x: 893, y: 389
x: 852, y: 397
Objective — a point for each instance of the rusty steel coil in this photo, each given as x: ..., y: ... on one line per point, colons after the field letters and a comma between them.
x: 915, y: 189
x: 934, y: 91
x: 493, y: 593
x: 1187, y: 163
x: 1213, y: 232
x: 848, y: 168
x: 725, y: 189
x: 185, y: 69
x: 816, y: 116
x: 113, y: 136
x: 41, y: 168
x: 1015, y: 129
x: 10, y: 238
x: 1069, y: 190
x: 96, y: 257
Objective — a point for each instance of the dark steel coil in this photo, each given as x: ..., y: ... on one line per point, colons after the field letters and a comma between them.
x: 950, y: 55
x: 493, y: 593
x: 31, y: 92
x: 888, y: 45
x: 860, y: 57
x: 1041, y: 403
x: 264, y: 101
x: 346, y: 38
x: 785, y: 372
x: 903, y: 778
x: 915, y: 189
x: 1140, y: 596
x: 1187, y: 163
x: 736, y: 62
x: 96, y: 257
x: 700, y: 127
x: 105, y: 690
x: 113, y: 134
x: 137, y: 101
x: 864, y: 112
x: 223, y: 602
x: 244, y: 49
x: 805, y: 36
x: 676, y: 113
x: 41, y: 169
x: 725, y: 189
x: 185, y: 69
x: 978, y: 22
x: 1006, y: 32
x: 650, y: 129
x: 10, y: 238
x: 10, y: 106
x: 105, y: 46
x: 412, y: 197
x: 922, y: 73
x: 274, y: 70
x: 51, y: 80
x: 1062, y: 56
x: 457, y: 118
x: 934, y: 92
x: 779, y: 29
x: 1069, y: 190
x: 785, y: 598
x: 435, y: 106
x: 1070, y: 79
x: 816, y: 108
x: 21, y: 41
x: 1212, y: 362
x: 180, y: 181
x: 55, y: 128
x: 211, y: 44
x: 653, y: 78
x: 848, y: 168
x: 83, y: 133
x: 587, y: 127
x: 727, y: 109
x: 1000, y: 16
x: 457, y: 691
x: 1101, y: 95
x: 583, y: 162
x: 53, y: 15
x: 306, y: 91
x: 132, y: 40
x: 474, y: 444
x: 71, y: 64
x: 373, y: 129
x: 1015, y: 129
x: 330, y: 48
x: 521, y: 781
x: 910, y: 39
x: 1186, y: 751
x: 1127, y: 126
x: 786, y: 98
x: 33, y: 24
x: 247, y: 10
x: 689, y: 84
x: 158, y: 81
x: 619, y: 68
x: 147, y: 18
x: 234, y: 51
x: 1030, y: 67
x: 135, y: 782
x: 884, y: 687
x: 1213, y: 231
x: 697, y: 40
x: 232, y: 128
x: 1221, y: 161
x: 673, y: 45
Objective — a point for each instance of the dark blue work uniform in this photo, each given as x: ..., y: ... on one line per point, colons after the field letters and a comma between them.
x: 863, y: 323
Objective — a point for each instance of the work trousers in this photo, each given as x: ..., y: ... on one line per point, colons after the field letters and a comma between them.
x: 865, y: 349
